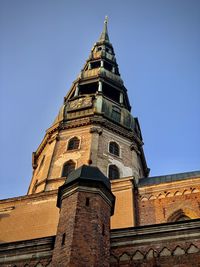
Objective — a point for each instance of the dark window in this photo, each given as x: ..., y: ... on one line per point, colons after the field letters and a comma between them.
x: 95, y: 64
x: 107, y: 66
x: 103, y: 229
x: 114, y: 148
x: 87, y: 89
x: 116, y: 114
x: 87, y: 202
x: 111, y: 92
x: 73, y: 143
x: 67, y: 168
x: 63, y: 239
x: 113, y: 172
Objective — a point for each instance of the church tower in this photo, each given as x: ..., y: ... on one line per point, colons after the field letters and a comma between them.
x: 94, y: 127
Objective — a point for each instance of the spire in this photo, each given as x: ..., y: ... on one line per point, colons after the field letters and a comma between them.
x: 104, y: 35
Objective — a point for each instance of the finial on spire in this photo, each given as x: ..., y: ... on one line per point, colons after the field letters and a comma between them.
x: 106, y: 20
x: 104, y: 34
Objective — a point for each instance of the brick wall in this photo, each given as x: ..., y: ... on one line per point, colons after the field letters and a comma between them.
x: 168, y: 245
x: 164, y: 203
x: 86, y: 229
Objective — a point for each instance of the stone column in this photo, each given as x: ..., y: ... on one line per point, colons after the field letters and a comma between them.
x: 100, y: 86
x: 121, y: 98
x: 76, y: 91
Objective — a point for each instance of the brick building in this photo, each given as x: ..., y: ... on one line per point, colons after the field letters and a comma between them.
x: 91, y: 201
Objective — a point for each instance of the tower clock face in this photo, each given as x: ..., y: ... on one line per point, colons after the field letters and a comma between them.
x: 80, y: 103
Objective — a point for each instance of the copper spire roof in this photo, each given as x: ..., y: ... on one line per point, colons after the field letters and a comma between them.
x: 104, y: 35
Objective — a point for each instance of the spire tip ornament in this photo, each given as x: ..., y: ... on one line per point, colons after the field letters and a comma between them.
x: 106, y: 20
x: 104, y: 35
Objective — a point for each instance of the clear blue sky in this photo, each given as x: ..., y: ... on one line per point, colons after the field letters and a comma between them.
x: 43, y: 46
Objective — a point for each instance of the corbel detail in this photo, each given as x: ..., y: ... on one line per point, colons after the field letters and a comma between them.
x: 134, y: 147
x: 96, y: 130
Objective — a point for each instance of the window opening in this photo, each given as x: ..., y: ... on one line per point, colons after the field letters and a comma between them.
x: 108, y: 66
x: 113, y: 172
x: 87, y: 89
x: 73, y: 143
x: 111, y: 92
x: 114, y: 148
x: 63, y: 239
x: 68, y: 168
x: 87, y: 202
x: 95, y: 64
x: 103, y: 229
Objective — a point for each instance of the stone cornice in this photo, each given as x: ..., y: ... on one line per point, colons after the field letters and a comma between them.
x: 174, y: 185
x: 155, y: 233
x: 31, y: 197
x: 26, y: 250
x: 100, y: 120
x: 91, y: 119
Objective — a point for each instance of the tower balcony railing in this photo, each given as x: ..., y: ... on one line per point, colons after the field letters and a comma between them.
x: 110, y: 75
x: 90, y: 73
x: 102, y: 72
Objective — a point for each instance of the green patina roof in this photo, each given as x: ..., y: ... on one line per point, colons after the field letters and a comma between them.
x: 88, y: 173
x: 104, y: 35
x: 89, y: 176
x: 168, y: 178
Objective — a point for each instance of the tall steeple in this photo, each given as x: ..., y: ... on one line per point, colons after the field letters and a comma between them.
x: 94, y: 126
x: 102, y: 72
x: 104, y: 35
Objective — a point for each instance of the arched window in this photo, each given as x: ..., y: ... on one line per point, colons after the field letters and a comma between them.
x: 183, y: 218
x: 113, y: 172
x: 178, y: 215
x: 73, y: 143
x: 68, y: 167
x: 114, y: 148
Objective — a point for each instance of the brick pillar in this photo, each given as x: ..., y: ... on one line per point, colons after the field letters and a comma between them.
x: 83, y: 235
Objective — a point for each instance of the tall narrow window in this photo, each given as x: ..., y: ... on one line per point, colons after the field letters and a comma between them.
x: 114, y: 148
x: 68, y: 167
x: 63, y: 239
x: 73, y: 143
x: 113, y: 172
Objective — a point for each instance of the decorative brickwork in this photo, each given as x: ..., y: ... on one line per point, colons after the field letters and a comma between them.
x: 175, y: 244
x: 163, y: 203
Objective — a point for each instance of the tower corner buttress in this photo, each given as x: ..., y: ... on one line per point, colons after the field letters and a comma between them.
x: 86, y: 204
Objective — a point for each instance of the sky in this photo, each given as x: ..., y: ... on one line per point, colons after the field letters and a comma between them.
x: 44, y: 45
